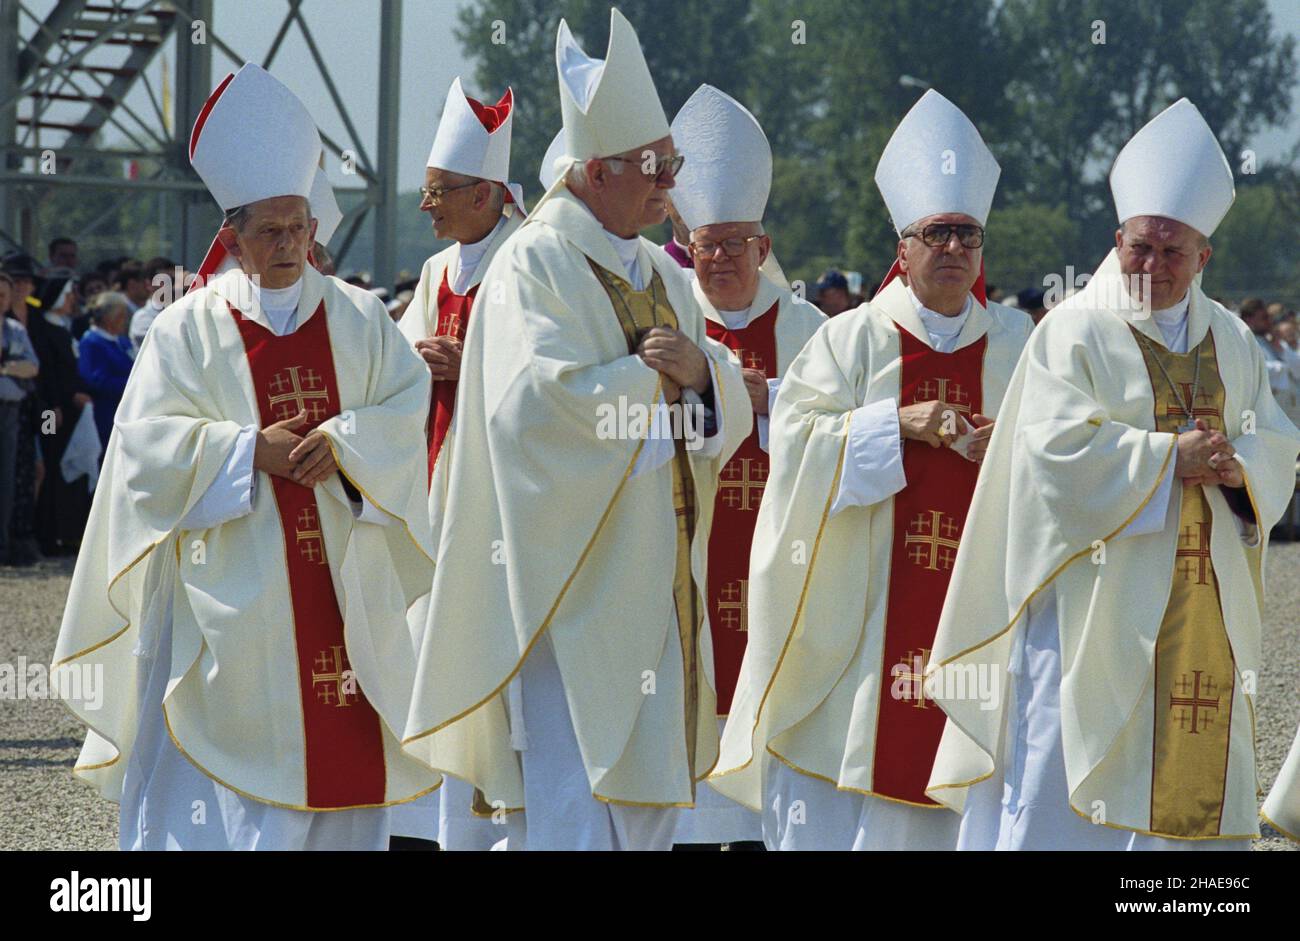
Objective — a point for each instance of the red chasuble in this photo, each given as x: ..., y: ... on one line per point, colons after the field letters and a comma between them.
x: 929, y: 516
x: 453, y: 319
x: 735, y: 510
x: 342, y: 738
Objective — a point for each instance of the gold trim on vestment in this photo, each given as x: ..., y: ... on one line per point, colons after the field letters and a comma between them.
x: 550, y: 614
x: 852, y: 790
x: 1164, y: 836
x: 803, y: 595
x: 1173, y: 447
x: 109, y: 595
x: 1279, y: 828
x: 262, y: 800
x: 362, y: 490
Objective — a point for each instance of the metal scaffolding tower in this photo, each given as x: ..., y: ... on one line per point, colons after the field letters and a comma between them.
x: 64, y: 80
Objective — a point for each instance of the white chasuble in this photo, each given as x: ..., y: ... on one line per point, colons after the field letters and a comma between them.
x: 549, y: 532
x: 830, y: 684
x: 1155, y: 627
x: 291, y: 664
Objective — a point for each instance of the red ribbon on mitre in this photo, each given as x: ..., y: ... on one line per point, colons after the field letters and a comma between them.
x: 492, y: 117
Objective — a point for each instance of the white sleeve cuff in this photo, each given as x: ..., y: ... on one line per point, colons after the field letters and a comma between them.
x: 763, y: 422
x: 873, y: 463
x: 658, y: 448
x: 1152, y: 517
x: 363, y: 511
x: 230, y: 496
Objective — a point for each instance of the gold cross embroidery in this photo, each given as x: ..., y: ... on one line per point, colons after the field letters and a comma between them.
x: 335, y: 679
x: 733, y: 479
x: 734, y: 605
x: 295, y: 390
x: 929, y: 548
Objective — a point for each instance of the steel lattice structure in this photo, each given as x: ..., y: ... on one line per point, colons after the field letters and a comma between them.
x: 64, y: 80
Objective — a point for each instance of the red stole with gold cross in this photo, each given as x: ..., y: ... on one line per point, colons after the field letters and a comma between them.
x: 929, y: 515
x: 453, y: 319
x: 735, y: 510
x: 342, y: 739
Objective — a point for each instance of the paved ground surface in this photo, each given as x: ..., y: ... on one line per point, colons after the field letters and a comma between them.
x: 43, y: 807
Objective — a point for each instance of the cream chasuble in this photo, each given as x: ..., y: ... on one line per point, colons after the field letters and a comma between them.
x: 549, y: 532
x: 1159, y: 631
x: 1282, y: 806
x: 817, y: 675
x: 250, y: 700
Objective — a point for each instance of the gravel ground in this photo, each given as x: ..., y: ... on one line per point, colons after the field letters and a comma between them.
x: 43, y: 807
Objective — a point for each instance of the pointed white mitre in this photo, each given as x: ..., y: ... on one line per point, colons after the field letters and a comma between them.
x: 549, y: 171
x: 1174, y: 168
x: 610, y: 105
x: 727, y: 175
x: 325, y: 207
x: 936, y: 162
x: 254, y: 140
x: 464, y: 145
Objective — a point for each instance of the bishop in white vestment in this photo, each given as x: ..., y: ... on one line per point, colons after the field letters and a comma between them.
x: 259, y: 531
x: 1111, y: 590
x: 469, y: 201
x: 565, y: 672
x: 876, y: 437
x: 720, y: 196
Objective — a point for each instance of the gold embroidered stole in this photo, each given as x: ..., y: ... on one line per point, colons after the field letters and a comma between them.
x: 1194, y: 666
x: 637, y: 312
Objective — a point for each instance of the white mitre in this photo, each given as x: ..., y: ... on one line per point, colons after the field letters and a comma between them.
x: 609, y: 105
x: 727, y: 175
x: 553, y: 161
x: 253, y: 140
x: 325, y: 207
x: 936, y: 162
x: 473, y: 139
x: 1174, y: 168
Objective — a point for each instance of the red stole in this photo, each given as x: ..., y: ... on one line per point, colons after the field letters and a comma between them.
x: 453, y: 318
x: 929, y: 516
x: 735, y: 510
x: 342, y: 739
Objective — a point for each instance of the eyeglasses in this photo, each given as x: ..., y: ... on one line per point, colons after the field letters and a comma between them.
x: 434, y: 195
x: 664, y: 169
x: 939, y: 233
x: 734, y: 247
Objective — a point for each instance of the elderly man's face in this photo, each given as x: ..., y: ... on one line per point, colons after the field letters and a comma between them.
x: 1166, y: 252
x: 940, y: 276
x: 274, y: 240
x: 729, y: 282
x: 632, y: 200
x: 464, y: 212
x: 1286, y: 332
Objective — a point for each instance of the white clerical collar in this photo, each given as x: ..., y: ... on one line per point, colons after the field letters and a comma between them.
x: 626, y: 250
x: 279, y: 304
x: 1173, y: 314
x: 735, y: 319
x: 471, y: 253
x: 941, y: 326
x: 1172, y: 322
